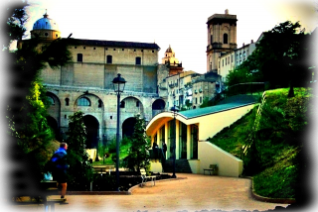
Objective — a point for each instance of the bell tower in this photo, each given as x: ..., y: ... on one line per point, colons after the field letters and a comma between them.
x: 221, y: 38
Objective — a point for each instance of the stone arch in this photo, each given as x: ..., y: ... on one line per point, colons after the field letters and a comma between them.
x: 92, y: 131
x: 55, y: 127
x: 158, y: 106
x: 95, y: 100
x: 128, y: 127
x: 132, y: 106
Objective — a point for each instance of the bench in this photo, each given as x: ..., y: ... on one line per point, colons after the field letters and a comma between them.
x: 144, y: 177
x: 213, y: 169
x: 48, y: 188
x: 103, y: 169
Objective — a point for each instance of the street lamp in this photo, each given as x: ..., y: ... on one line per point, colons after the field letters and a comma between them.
x: 174, y: 109
x: 119, y: 85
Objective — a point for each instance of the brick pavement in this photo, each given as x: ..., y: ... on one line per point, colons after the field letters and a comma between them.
x: 195, y: 193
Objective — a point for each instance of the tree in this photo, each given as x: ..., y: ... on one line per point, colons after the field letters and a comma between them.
x: 279, y: 59
x: 278, y: 55
x: 206, y: 103
x: 28, y: 127
x: 139, y: 155
x: 188, y: 103
x: 80, y: 168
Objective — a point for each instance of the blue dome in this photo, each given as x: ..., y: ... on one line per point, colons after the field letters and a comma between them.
x: 45, y: 23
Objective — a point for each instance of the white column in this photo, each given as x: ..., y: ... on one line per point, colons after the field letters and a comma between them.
x: 177, y: 140
x: 166, y: 139
x: 188, y: 142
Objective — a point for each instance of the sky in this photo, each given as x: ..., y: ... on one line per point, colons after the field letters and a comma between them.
x: 168, y: 22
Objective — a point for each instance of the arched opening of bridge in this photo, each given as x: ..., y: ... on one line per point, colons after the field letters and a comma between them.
x: 54, y: 126
x: 128, y: 127
x: 158, y: 106
x: 92, y: 127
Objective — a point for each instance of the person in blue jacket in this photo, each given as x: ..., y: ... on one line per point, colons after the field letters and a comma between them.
x: 60, y: 166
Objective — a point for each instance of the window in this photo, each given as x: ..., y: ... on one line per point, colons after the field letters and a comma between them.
x: 114, y: 49
x: 211, y: 39
x: 57, y: 35
x: 137, y: 104
x: 79, y: 57
x: 222, y: 62
x: 225, y: 38
x: 138, y: 60
x: 84, y: 47
x: 106, y: 48
x: 94, y: 48
x: 134, y: 50
x: 67, y: 101
x: 109, y: 59
x: 83, y: 102
x: 200, y: 99
x: 231, y: 58
x: 100, y: 103
x: 122, y: 104
x: 46, y: 34
x: 122, y: 49
x: 75, y: 47
x: 153, y: 51
x: 142, y: 50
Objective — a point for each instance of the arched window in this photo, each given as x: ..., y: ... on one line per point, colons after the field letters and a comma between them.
x: 137, y: 104
x: 83, y: 102
x: 100, y: 103
x: 109, y: 59
x: 225, y: 38
x: 67, y: 101
x: 51, y: 100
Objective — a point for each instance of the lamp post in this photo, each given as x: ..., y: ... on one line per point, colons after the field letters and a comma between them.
x: 119, y: 85
x: 174, y: 109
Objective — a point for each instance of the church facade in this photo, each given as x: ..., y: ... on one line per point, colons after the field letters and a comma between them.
x: 85, y: 84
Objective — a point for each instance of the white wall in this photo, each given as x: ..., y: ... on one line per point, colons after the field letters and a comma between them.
x: 228, y: 165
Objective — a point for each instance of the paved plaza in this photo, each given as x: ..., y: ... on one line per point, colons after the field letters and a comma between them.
x: 194, y: 193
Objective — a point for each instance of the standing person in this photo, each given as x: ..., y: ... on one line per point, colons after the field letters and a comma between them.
x: 60, y: 166
x: 155, y: 149
x: 164, y: 148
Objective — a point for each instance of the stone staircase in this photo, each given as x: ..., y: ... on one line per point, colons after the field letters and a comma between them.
x: 182, y: 166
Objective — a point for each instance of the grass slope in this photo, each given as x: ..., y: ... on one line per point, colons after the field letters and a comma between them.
x: 268, y: 140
